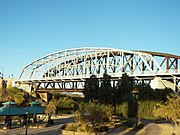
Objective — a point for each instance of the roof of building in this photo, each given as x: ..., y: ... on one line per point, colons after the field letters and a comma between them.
x: 10, y: 109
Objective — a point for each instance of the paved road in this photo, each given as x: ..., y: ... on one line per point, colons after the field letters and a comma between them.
x: 50, y: 130
x: 149, y: 129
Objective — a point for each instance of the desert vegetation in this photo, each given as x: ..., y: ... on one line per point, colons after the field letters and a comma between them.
x: 105, y: 105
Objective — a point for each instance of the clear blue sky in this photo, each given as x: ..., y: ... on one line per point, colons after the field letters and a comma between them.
x: 30, y: 29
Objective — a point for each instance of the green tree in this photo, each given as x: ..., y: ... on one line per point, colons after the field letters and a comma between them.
x: 65, y: 102
x: 123, y: 94
x: 146, y: 92
x: 91, y: 89
x: 124, y: 88
x: 51, y: 106
x: 161, y: 94
x: 12, y: 93
x: 4, y: 95
x: 105, y: 91
x: 19, y: 98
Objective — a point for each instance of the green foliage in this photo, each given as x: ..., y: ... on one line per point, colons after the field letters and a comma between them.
x: 93, y: 113
x: 145, y: 109
x: 161, y: 94
x: 146, y: 92
x: 65, y: 105
x: 107, y: 111
x: 80, y: 127
x: 106, y: 81
x: 105, y: 91
x: 19, y: 98
x: 71, y: 126
x: 122, y: 109
x: 132, y: 108
x: 91, y: 89
x: 105, y: 95
x: 4, y: 95
x: 51, y: 106
x: 84, y: 128
x: 124, y: 89
x: 170, y: 110
x: 12, y: 93
x: 127, y: 109
x: 122, y: 98
x: 65, y: 102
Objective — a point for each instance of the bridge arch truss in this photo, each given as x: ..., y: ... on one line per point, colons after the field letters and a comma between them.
x: 68, y: 69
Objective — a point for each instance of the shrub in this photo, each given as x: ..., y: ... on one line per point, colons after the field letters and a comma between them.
x: 170, y: 110
x: 107, y: 111
x: 84, y: 128
x: 80, y: 127
x: 18, y: 98
x: 145, y: 109
x: 65, y: 102
x: 93, y: 113
x: 71, y: 127
x: 122, y: 109
x: 51, y: 106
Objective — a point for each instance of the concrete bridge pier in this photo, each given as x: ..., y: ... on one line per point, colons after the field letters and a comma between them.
x: 159, y: 83
x: 176, y: 81
x: 44, y: 96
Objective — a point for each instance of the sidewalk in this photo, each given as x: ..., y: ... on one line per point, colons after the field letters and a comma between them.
x: 50, y: 130
x: 150, y: 129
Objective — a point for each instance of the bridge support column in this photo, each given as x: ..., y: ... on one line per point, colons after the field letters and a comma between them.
x: 44, y: 96
x: 175, y: 84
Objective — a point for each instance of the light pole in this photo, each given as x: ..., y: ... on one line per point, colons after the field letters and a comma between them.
x: 26, y: 123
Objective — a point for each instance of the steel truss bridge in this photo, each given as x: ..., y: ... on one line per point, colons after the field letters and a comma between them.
x: 67, y: 70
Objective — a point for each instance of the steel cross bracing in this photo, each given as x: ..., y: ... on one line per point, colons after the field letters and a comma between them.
x: 68, y: 69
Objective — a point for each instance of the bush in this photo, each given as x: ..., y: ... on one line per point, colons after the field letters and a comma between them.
x: 65, y: 102
x: 170, y: 110
x: 77, y: 127
x: 145, y: 109
x: 161, y: 95
x: 51, y: 106
x: 84, y: 128
x: 127, y: 109
x: 107, y: 111
x: 71, y: 126
x: 93, y: 113
x: 122, y: 109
